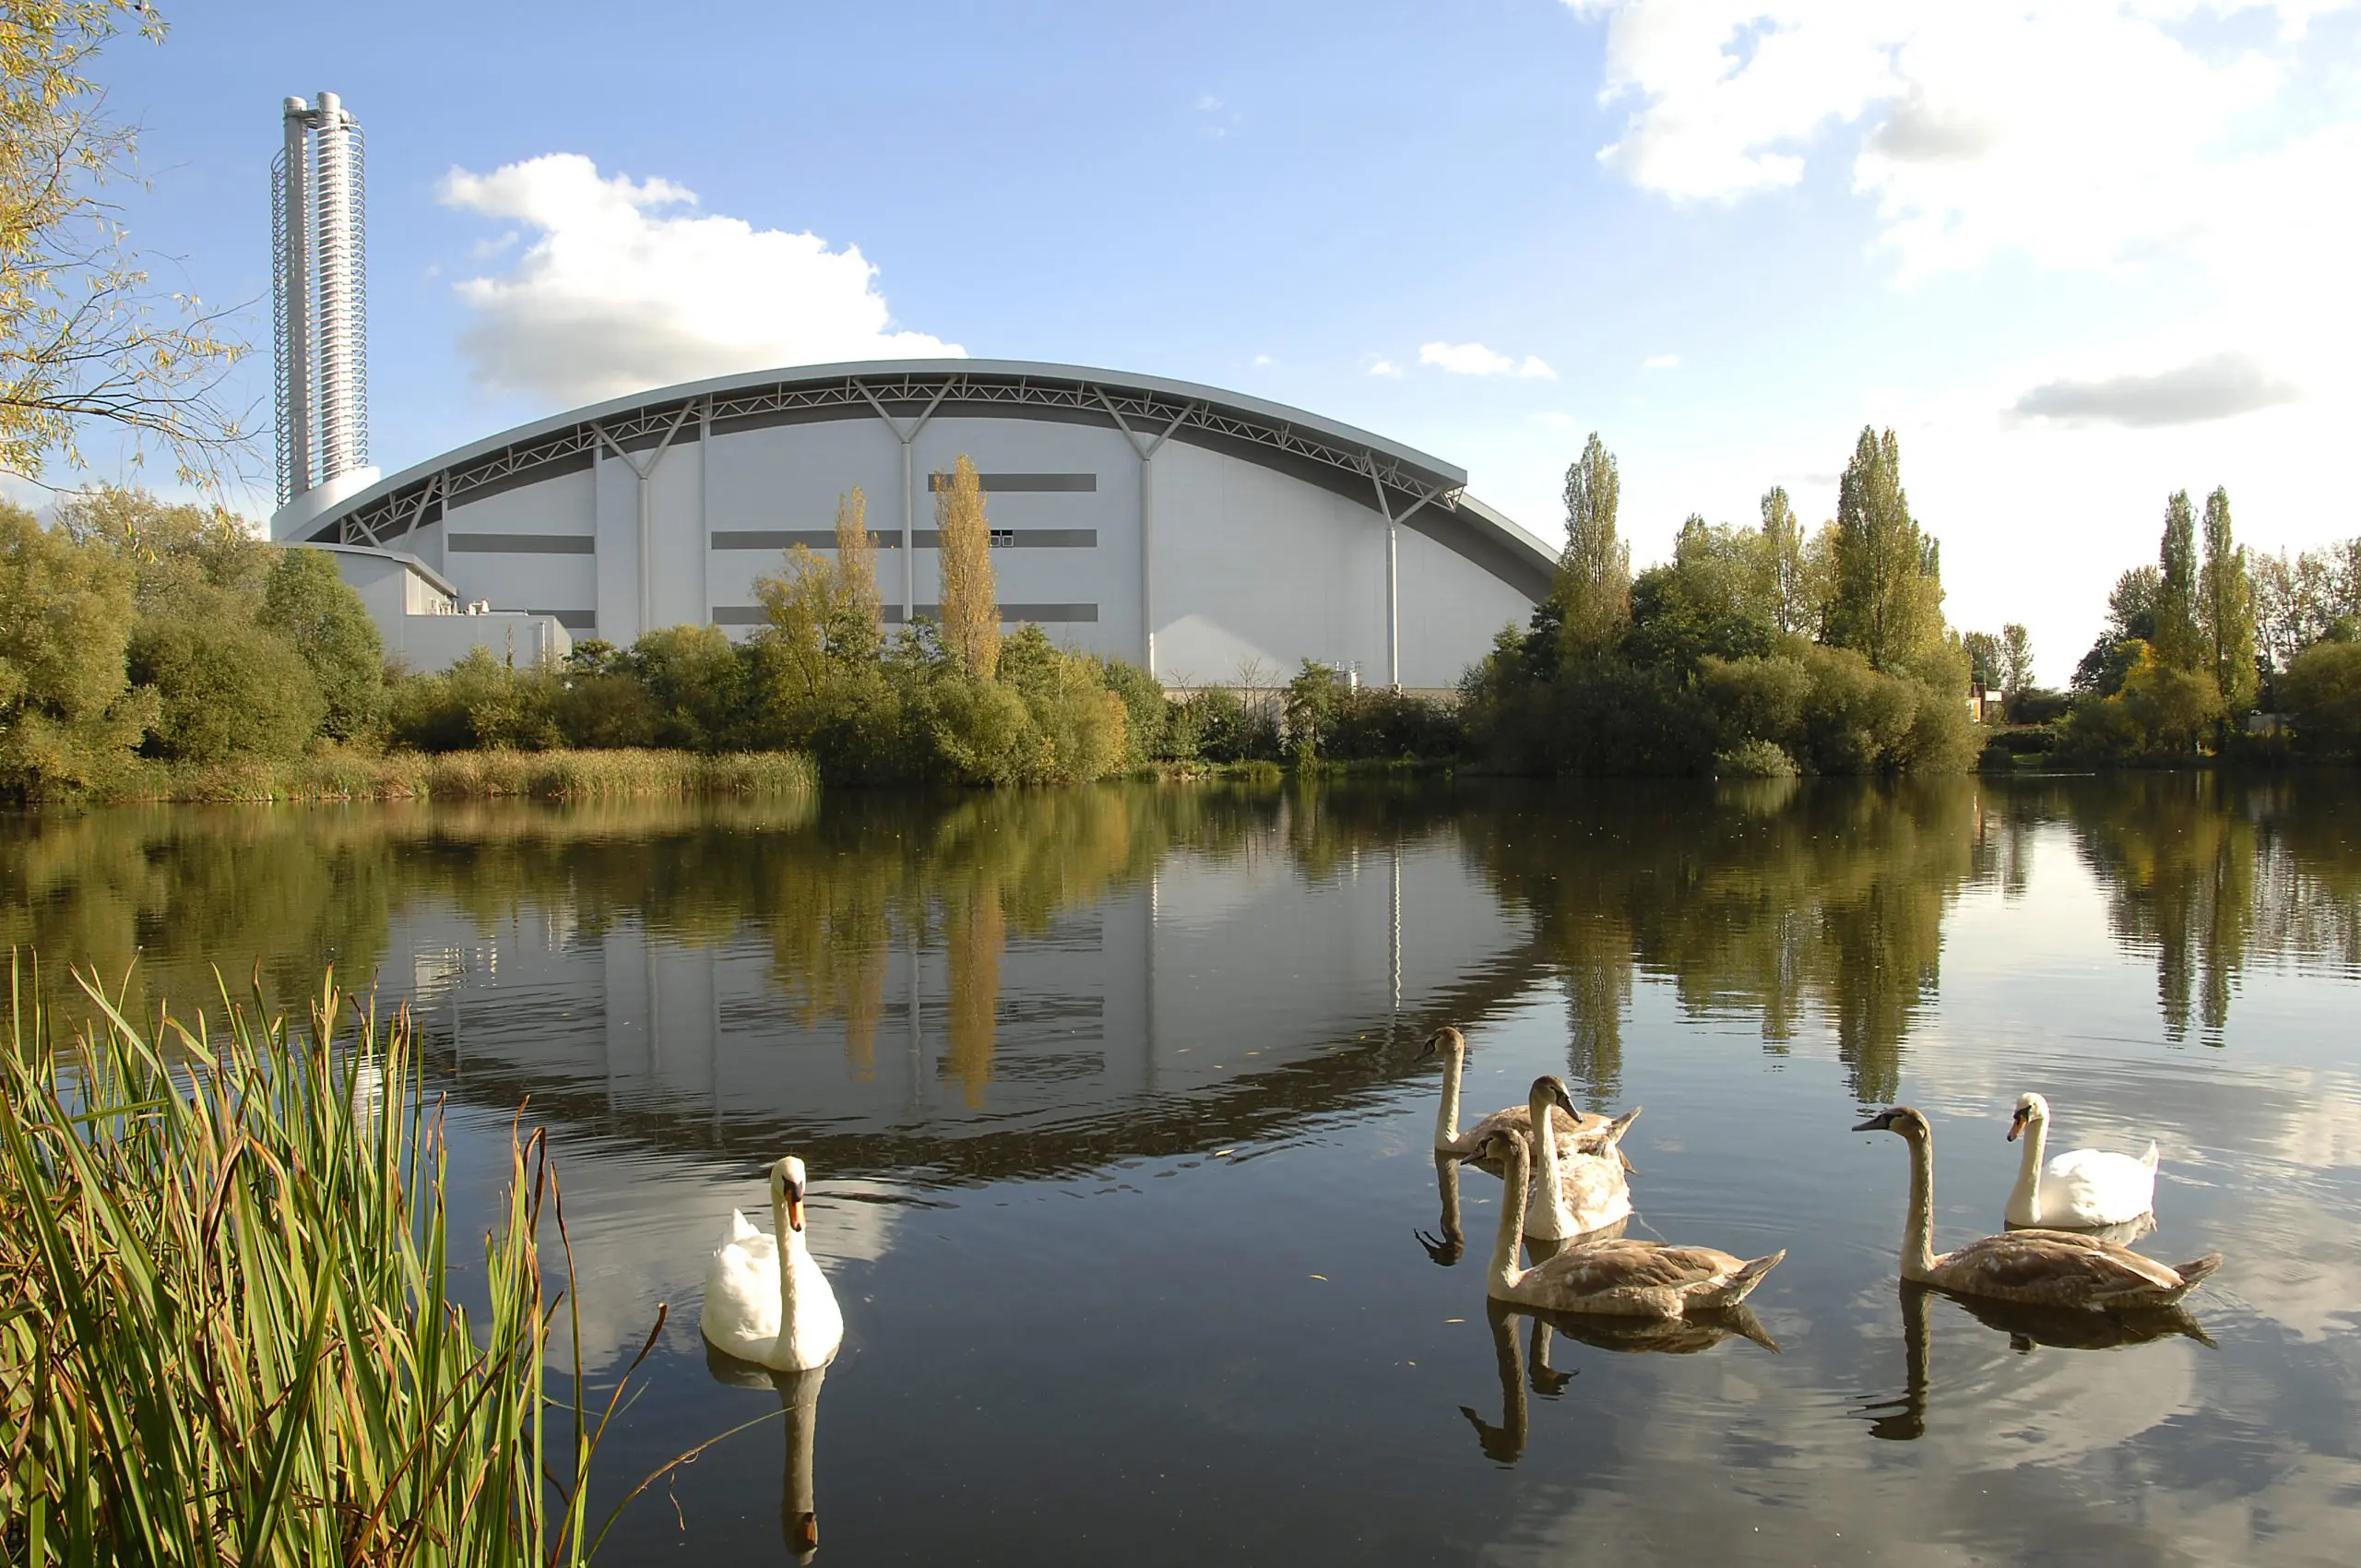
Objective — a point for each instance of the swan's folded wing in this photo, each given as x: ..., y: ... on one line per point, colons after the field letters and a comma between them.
x: 740, y: 1230
x: 1629, y: 1264
x: 2038, y: 1260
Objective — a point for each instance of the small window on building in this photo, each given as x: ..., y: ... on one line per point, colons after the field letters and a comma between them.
x: 1003, y: 539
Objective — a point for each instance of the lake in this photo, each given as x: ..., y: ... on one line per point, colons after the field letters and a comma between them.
x: 1119, y: 1134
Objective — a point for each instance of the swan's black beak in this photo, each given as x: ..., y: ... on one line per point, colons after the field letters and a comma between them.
x: 1882, y: 1121
x: 2017, y: 1123
x: 1564, y: 1101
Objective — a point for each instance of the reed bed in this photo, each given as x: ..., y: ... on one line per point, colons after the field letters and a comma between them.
x: 460, y: 776
x: 224, y: 1329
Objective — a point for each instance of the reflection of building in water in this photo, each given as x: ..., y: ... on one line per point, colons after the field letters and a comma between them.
x: 1210, y: 971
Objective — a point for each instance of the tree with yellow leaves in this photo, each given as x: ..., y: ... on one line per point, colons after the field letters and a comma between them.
x: 84, y: 338
x: 970, y: 610
x: 856, y: 562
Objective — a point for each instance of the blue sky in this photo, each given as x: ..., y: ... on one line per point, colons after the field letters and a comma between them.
x: 2079, y: 253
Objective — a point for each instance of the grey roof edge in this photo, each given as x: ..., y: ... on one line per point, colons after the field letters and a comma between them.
x: 1492, y: 520
x: 1043, y: 370
x: 442, y: 584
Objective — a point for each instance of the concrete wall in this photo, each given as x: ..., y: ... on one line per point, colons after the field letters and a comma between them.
x: 1251, y: 565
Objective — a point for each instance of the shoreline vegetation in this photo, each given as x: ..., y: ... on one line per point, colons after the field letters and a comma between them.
x: 224, y: 1320
x: 163, y: 653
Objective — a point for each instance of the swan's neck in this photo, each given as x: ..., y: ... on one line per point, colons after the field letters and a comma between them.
x: 2026, y: 1198
x: 1544, y: 1147
x: 791, y: 1254
x: 1447, y: 1114
x: 1515, y: 1172
x: 1919, y: 1229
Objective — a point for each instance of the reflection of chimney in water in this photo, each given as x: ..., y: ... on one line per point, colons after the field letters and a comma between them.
x: 864, y: 999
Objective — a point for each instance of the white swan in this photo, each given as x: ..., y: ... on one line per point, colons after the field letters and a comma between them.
x: 783, y: 1318
x: 1574, y: 1193
x: 2081, y: 1189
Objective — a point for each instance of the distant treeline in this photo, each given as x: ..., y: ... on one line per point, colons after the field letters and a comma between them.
x: 164, y: 651
x: 1752, y: 651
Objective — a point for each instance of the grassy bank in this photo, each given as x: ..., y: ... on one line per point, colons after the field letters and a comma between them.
x: 564, y: 775
x: 224, y: 1334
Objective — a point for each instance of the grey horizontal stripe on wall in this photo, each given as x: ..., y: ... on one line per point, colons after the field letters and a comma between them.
x: 920, y: 538
x: 1009, y: 484
x: 522, y: 543
x: 571, y: 619
x: 1012, y: 614
x: 1009, y: 614
x: 788, y: 539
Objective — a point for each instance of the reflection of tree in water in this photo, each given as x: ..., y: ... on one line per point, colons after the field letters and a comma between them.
x: 1828, y: 897
x: 977, y: 934
x: 2209, y: 873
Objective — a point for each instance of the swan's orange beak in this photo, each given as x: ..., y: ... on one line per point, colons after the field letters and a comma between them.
x: 2017, y: 1123
x: 806, y: 1532
x: 795, y: 1212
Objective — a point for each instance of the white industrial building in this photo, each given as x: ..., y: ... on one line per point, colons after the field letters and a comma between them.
x: 1195, y: 531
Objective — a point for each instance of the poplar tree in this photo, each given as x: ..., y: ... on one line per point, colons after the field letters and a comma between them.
x: 2016, y: 660
x: 2226, y: 609
x: 857, y: 564
x: 1593, y: 587
x: 1783, y: 564
x: 971, y: 613
x: 1881, y: 597
x: 2175, y: 637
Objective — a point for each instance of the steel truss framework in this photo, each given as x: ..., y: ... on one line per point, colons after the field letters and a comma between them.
x: 1400, y: 487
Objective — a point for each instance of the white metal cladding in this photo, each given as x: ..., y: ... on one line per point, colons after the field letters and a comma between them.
x: 1146, y: 511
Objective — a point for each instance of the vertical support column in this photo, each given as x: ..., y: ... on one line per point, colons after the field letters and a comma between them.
x: 1147, y: 561
x: 645, y: 474
x: 909, y: 484
x: 646, y: 597
x: 1147, y: 450
x: 1393, y: 604
x: 909, y: 509
x: 704, y: 508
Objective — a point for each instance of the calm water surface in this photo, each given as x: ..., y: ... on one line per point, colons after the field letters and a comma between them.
x: 1120, y: 1138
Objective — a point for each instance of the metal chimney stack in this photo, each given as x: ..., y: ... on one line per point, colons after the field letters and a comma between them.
x: 320, y: 294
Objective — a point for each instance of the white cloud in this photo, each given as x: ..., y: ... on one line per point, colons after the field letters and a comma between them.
x: 1262, y: 361
x: 1475, y: 359
x: 1385, y: 367
x: 1661, y: 361
x: 2082, y: 133
x: 616, y: 292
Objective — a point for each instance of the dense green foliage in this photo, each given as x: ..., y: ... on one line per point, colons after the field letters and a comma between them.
x: 306, y: 601
x: 67, y: 721
x: 134, y: 628
x: 1714, y: 669
x: 2322, y: 691
x: 2179, y: 664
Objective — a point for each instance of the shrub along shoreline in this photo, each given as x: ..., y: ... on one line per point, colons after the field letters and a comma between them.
x: 558, y: 775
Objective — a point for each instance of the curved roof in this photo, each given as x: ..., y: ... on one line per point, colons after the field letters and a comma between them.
x: 1385, y: 475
